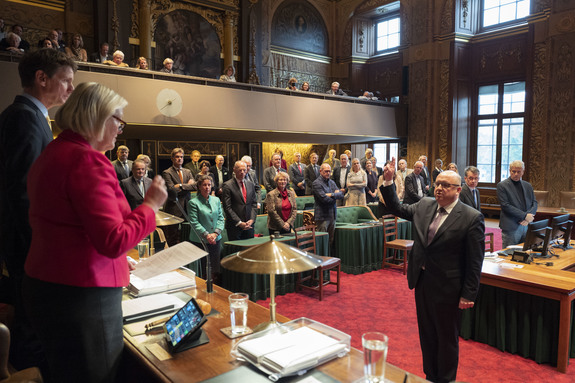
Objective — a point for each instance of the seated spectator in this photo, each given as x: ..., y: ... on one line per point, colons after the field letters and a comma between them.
x: 52, y: 36
x: 205, y: 171
x: 24, y: 45
x: 142, y: 63
x: 76, y: 49
x: 304, y: 87
x: 149, y: 172
x: 12, y: 43
x: 292, y: 84
x: 47, y: 43
x: 102, y: 55
x: 356, y: 184
x: 335, y: 91
x: 60, y: 40
x: 229, y: 74
x: 117, y: 60
x: 2, y: 33
x: 168, y: 65
x: 366, y: 95
x: 281, y: 205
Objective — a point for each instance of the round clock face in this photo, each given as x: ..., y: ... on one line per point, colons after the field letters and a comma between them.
x: 169, y: 102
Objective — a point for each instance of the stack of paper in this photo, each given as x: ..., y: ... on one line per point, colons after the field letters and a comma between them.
x: 171, y: 281
x: 141, y: 308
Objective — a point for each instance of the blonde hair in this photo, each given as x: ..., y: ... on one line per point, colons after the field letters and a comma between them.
x: 88, y: 108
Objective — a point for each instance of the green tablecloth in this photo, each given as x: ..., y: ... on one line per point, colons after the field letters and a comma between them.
x: 360, y: 247
x: 516, y: 322
x: 258, y: 285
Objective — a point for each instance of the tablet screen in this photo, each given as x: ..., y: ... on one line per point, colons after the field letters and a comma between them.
x: 184, y: 322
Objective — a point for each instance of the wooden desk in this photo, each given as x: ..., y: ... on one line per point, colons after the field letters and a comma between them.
x: 552, y: 283
x: 213, y: 359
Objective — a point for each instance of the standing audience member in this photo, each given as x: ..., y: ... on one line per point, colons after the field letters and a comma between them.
x: 180, y: 183
x: 135, y: 186
x: 283, y: 163
x: 444, y: 268
x: 331, y: 159
x: 149, y: 171
x: 46, y: 76
x: 375, y: 168
x: 239, y: 199
x: 371, y: 188
x: 229, y: 74
x: 400, y: 175
x: 325, y: 193
x: 425, y: 174
x: 142, y: 63
x: 207, y: 219
x: 221, y: 174
x: 335, y: 90
x: 102, y: 55
x: 205, y: 171
x: 122, y: 164
x: 270, y: 173
x: 438, y: 169
x: 76, y: 49
x: 252, y: 176
x: 281, y: 205
x: 296, y: 173
x: 518, y: 205
x: 168, y: 66
x: 311, y: 173
x: 469, y: 193
x: 452, y: 166
x: 77, y: 263
x: 356, y: 183
x: 194, y: 164
x: 414, y: 185
x: 339, y: 176
x: 368, y: 155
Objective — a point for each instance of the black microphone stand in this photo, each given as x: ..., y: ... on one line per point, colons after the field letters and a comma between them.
x: 209, y: 281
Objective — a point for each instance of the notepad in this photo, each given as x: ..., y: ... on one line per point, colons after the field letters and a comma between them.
x: 141, y: 308
x: 166, y: 282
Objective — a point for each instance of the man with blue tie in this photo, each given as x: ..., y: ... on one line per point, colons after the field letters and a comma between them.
x: 469, y: 193
x: 311, y: 173
x: 296, y: 175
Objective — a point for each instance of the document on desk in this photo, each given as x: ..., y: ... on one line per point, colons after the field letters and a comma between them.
x: 168, y: 260
x: 141, y: 308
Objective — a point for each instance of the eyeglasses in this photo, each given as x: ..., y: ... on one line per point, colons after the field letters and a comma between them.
x: 445, y: 185
x: 122, y: 124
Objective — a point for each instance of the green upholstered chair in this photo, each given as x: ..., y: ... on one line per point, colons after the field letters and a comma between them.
x: 261, y: 224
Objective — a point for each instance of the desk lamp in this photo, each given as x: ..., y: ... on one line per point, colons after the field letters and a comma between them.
x: 273, y: 258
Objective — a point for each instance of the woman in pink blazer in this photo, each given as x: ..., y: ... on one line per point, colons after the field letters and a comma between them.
x: 82, y: 227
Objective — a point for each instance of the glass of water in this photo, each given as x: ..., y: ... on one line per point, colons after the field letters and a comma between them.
x: 374, y: 356
x: 239, y: 312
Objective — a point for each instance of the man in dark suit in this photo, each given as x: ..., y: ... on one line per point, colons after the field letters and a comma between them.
x: 296, y: 171
x: 194, y: 164
x: 335, y: 90
x: 414, y: 185
x: 122, y: 164
x: 253, y: 177
x: 444, y: 267
x: 311, y: 173
x: 339, y: 176
x: 425, y: 174
x: 469, y: 193
x: 180, y: 183
x: 270, y: 173
x: 46, y: 76
x: 102, y: 55
x: 518, y: 205
x: 221, y: 174
x: 135, y: 187
x: 239, y: 199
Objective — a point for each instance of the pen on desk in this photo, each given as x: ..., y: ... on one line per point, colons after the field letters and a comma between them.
x: 156, y: 322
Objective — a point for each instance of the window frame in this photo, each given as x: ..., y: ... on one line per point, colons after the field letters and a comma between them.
x: 499, y: 25
x: 382, y: 19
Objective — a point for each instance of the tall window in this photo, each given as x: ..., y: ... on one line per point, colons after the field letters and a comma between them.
x: 385, y: 151
x: 500, y: 122
x: 387, y: 32
x: 503, y: 11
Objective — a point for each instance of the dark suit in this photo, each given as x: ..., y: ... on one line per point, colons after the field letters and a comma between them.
x: 132, y: 190
x: 452, y: 262
x: 237, y: 210
x: 251, y: 176
x: 182, y: 193
x: 310, y: 175
x: 225, y: 176
x: 296, y: 177
x: 336, y: 176
x: 466, y: 196
x: 514, y: 211
x: 24, y: 133
x: 194, y: 167
x: 426, y: 178
x: 411, y: 188
x: 269, y: 174
x: 121, y: 172
x: 95, y: 58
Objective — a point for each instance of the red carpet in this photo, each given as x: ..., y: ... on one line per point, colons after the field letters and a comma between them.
x: 381, y: 301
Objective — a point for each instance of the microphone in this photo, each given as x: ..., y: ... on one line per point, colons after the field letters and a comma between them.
x: 209, y: 281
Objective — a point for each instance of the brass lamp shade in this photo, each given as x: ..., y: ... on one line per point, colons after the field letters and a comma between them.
x: 165, y: 219
x: 271, y: 257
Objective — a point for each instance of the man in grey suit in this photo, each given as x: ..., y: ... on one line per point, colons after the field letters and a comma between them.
x: 296, y: 171
x: 518, y: 205
x: 270, y: 173
x: 122, y: 164
x: 135, y: 187
x: 253, y: 177
x: 339, y: 176
x: 180, y: 183
x: 46, y: 76
x: 239, y: 199
x: 311, y: 173
x: 444, y: 267
x: 194, y: 164
x: 469, y: 193
x: 414, y: 185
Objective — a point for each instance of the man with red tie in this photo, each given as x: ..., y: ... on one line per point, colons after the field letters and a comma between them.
x: 240, y: 204
x: 296, y: 175
x: 180, y: 183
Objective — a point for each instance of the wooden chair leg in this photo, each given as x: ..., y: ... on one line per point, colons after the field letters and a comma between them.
x: 338, y: 273
x: 320, y: 271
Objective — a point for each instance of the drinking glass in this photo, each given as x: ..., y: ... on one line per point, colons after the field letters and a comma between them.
x: 374, y: 356
x: 239, y: 312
